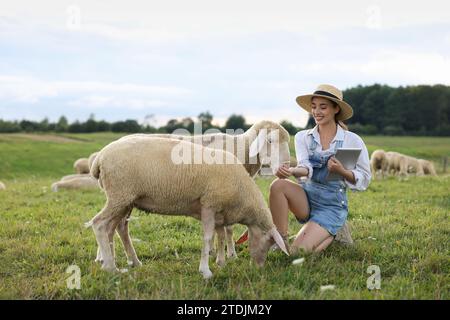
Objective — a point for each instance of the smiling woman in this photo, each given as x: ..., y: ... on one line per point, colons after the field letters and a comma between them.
x: 321, y: 204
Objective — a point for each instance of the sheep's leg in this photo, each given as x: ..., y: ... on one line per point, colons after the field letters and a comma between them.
x: 212, y: 248
x: 99, y: 255
x: 208, y: 223
x: 104, y: 225
x: 122, y: 230
x: 220, y: 259
x: 231, y: 250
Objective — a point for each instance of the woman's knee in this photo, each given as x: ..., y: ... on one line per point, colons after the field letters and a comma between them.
x: 278, y: 185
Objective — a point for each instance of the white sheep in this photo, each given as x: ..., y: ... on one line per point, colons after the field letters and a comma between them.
x: 428, y: 167
x: 378, y: 162
x: 414, y: 165
x: 252, y: 147
x: 81, y: 165
x: 141, y: 172
x: 81, y: 182
x: 76, y: 175
x: 402, y: 164
x: 2, y: 186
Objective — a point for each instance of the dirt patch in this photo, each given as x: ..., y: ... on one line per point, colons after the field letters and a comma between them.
x: 38, y: 137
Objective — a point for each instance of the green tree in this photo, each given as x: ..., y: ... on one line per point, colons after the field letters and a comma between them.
x: 235, y: 122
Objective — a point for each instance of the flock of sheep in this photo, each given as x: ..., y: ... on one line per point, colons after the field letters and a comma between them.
x: 137, y: 171
x: 394, y: 163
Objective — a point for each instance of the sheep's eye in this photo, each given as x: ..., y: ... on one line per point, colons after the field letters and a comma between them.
x: 269, y: 141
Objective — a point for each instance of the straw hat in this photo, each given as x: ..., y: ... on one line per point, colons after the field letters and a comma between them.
x: 331, y: 93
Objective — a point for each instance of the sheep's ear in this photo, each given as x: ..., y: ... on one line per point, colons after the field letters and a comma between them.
x: 278, y: 239
x: 258, y: 143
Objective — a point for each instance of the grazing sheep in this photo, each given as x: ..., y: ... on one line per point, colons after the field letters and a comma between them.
x: 141, y: 172
x: 378, y: 162
x: 2, y: 186
x: 397, y: 164
x: 428, y: 167
x: 414, y: 165
x: 402, y: 164
x: 81, y: 165
x: 249, y: 147
x: 80, y: 182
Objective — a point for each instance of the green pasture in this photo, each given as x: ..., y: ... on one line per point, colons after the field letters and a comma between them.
x: 400, y: 226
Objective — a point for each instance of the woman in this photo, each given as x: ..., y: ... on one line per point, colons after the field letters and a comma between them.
x: 318, y: 203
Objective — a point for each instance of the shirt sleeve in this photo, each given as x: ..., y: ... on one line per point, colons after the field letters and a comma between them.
x: 362, y: 171
x: 301, y: 152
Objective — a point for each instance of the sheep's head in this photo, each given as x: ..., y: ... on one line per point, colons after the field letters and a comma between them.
x: 271, y: 143
x: 260, y: 242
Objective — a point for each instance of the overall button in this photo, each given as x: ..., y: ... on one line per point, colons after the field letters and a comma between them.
x: 343, y: 202
x: 340, y: 190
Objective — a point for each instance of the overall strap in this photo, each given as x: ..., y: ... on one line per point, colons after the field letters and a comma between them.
x: 312, y: 144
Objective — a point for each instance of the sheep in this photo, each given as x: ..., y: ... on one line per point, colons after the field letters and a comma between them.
x: 414, y: 165
x: 428, y: 167
x: 402, y: 164
x: 81, y: 165
x: 397, y: 163
x: 263, y: 135
x: 2, y: 186
x: 141, y: 172
x: 76, y: 175
x: 91, y: 160
x: 80, y: 182
x: 378, y: 162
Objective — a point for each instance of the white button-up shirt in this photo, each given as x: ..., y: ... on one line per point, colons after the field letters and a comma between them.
x: 350, y: 140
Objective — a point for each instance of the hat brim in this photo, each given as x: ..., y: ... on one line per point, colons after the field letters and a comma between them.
x: 345, y: 113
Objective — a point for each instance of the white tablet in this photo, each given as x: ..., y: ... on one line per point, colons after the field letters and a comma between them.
x: 348, y: 157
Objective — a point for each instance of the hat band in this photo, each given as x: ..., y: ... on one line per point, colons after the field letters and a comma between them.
x: 324, y: 93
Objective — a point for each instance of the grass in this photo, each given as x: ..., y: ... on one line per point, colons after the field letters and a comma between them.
x: 401, y: 226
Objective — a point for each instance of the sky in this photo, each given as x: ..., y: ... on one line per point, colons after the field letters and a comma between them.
x: 173, y: 59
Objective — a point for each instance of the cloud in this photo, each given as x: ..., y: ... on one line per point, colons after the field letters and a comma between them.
x: 32, y: 90
x: 114, y: 102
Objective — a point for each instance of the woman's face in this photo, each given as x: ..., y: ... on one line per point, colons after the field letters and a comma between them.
x: 323, y: 110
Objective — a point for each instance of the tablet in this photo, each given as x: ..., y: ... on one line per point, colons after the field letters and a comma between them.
x: 348, y: 157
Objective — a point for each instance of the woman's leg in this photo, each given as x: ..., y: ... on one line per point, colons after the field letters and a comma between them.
x: 312, y: 238
x: 286, y: 195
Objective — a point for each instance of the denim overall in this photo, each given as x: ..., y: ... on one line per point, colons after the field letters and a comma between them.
x: 327, y: 199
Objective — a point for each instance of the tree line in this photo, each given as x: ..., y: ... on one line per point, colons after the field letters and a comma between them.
x: 378, y: 110
x: 204, y: 121
x: 412, y: 110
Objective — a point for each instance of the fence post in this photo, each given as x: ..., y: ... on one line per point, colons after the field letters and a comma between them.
x: 444, y: 166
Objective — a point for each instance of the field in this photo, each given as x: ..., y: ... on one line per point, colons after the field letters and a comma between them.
x: 400, y: 226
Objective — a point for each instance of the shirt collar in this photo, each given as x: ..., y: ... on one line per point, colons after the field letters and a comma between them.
x: 315, y: 133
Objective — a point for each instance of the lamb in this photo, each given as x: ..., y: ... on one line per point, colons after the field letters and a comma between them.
x: 141, y: 172
x: 81, y: 165
x: 378, y: 162
x: 2, y: 186
x: 82, y: 181
x: 428, y: 167
x: 249, y: 147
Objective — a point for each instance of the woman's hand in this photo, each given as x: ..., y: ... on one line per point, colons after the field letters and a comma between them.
x: 335, y: 166
x: 283, y: 172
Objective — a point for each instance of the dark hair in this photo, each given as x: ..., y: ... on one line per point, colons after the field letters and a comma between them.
x: 339, y: 122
